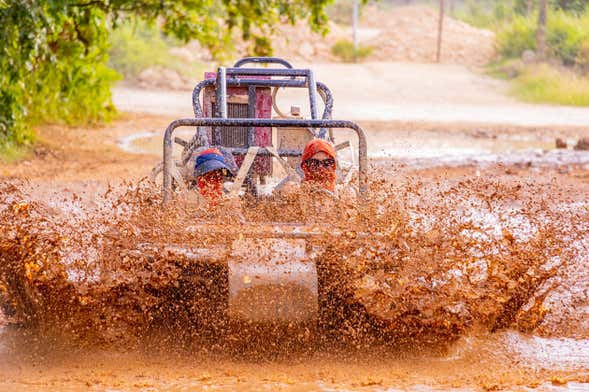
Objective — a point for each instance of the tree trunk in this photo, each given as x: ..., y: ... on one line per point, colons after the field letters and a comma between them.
x: 541, y: 33
x: 355, y: 24
x: 440, y: 28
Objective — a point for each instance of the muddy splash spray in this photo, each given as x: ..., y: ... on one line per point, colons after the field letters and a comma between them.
x: 417, y: 263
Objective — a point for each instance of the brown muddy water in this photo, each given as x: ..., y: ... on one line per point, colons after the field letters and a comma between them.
x: 392, y: 144
x: 474, y: 283
x: 418, y: 147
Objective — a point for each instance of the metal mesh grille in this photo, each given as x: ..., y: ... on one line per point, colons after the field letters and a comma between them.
x: 233, y: 136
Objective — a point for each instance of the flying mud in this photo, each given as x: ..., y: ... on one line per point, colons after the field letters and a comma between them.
x: 417, y: 264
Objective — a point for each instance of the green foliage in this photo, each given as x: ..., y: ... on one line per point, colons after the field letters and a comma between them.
x: 583, y: 58
x: 566, y: 35
x: 516, y: 37
x: 52, y: 67
x: 574, y: 6
x: 544, y: 84
x: 54, y: 53
x: 135, y: 47
x: 521, y: 6
x: 486, y: 14
x: 567, y: 39
x: 492, y: 14
x: 13, y: 152
x: 73, y: 87
x: 139, y: 45
x: 345, y: 50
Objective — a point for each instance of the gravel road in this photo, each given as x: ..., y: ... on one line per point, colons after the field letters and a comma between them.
x: 393, y: 91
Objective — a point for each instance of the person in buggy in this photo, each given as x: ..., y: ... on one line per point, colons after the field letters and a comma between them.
x: 318, y: 164
x: 212, y: 168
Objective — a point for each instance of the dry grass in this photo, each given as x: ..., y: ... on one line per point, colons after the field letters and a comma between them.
x: 546, y: 84
x: 11, y: 152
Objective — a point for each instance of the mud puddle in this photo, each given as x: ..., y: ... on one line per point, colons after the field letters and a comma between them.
x: 466, y: 284
x: 504, y: 361
x: 421, y: 149
x: 384, y: 144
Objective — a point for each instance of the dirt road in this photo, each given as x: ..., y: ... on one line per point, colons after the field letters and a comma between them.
x: 447, y: 148
x: 78, y: 164
x: 395, y: 92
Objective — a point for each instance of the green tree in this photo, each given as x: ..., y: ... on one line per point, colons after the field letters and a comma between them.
x: 575, y: 6
x: 53, y: 53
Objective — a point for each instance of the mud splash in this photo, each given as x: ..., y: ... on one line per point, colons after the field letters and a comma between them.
x: 419, y: 264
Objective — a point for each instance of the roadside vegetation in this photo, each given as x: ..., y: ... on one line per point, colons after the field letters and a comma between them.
x: 54, y: 54
x: 548, y: 62
x: 136, y: 46
x: 542, y: 83
x: 346, y: 52
x: 139, y: 46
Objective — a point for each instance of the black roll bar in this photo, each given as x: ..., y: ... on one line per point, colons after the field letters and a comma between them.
x: 262, y: 60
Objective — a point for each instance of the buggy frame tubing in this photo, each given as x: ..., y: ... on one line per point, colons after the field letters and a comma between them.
x: 262, y: 60
x: 249, y: 122
x: 197, y: 108
x: 223, y: 73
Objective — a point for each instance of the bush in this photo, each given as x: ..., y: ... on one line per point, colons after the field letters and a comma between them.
x: 575, y: 6
x: 544, y: 84
x: 138, y: 46
x: 583, y: 58
x: 52, y: 68
x: 486, y: 14
x: 516, y: 37
x: 345, y: 50
x: 135, y: 47
x: 566, y: 34
x: 75, y: 90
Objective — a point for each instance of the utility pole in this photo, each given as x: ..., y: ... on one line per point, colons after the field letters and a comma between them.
x: 440, y: 29
x: 541, y: 33
x: 355, y: 24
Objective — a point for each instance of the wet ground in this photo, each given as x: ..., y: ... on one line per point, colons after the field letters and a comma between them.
x: 459, y: 187
x: 475, y: 364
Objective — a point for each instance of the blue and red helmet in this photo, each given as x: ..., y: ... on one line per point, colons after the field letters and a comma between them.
x: 209, y: 160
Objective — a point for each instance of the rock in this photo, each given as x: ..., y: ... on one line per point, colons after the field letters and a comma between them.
x: 528, y: 56
x: 185, y: 54
x: 171, y: 79
x: 481, y: 133
x: 560, y: 143
x: 582, y: 144
x: 163, y: 78
x: 306, y: 50
x: 513, y: 69
x: 147, y: 76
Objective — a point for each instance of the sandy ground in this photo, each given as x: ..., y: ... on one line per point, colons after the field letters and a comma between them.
x: 395, y: 92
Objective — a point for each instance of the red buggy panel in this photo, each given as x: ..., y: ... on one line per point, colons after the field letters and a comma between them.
x: 237, y: 106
